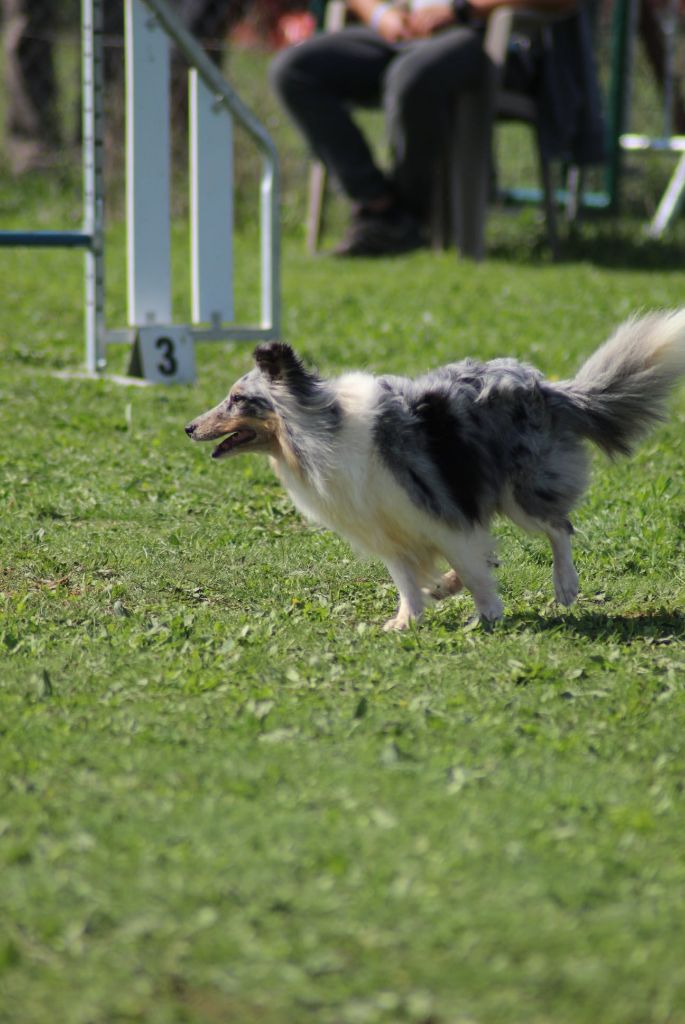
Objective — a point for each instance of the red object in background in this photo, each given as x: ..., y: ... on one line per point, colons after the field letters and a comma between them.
x: 268, y: 25
x: 293, y: 27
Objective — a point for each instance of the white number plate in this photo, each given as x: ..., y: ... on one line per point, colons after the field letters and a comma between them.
x: 166, y: 355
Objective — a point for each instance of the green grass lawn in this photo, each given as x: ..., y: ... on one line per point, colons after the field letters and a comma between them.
x: 225, y: 794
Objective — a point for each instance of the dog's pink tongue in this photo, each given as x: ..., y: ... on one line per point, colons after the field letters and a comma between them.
x: 230, y: 442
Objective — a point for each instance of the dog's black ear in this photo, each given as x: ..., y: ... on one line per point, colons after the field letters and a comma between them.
x: 278, y: 361
x: 292, y: 381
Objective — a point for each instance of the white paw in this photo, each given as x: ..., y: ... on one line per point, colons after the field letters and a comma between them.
x: 397, y: 624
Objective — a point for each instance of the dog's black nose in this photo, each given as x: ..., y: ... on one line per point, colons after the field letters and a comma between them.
x: 190, y: 429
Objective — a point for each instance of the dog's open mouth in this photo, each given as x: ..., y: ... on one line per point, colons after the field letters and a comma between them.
x: 233, y: 441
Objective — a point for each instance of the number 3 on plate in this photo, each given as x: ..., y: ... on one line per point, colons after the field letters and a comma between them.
x: 165, y: 354
x: 168, y: 365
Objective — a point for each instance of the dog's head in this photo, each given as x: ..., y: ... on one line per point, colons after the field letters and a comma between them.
x: 248, y: 419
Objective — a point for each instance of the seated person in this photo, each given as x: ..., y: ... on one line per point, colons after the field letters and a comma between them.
x: 409, y: 60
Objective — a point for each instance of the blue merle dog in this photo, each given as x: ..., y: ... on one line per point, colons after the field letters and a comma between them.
x: 413, y: 471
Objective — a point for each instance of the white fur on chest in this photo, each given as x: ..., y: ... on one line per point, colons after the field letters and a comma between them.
x: 355, y: 494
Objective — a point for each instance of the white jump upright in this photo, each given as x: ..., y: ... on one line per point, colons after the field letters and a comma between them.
x: 164, y: 350
x: 148, y: 168
x: 162, y: 347
x: 211, y: 206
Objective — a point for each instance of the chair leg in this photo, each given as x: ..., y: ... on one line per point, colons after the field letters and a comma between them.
x: 472, y: 153
x: 550, y: 205
x: 440, y: 214
x: 574, y: 185
x: 315, y: 202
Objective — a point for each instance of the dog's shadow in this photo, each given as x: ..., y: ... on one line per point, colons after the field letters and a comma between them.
x: 660, y: 626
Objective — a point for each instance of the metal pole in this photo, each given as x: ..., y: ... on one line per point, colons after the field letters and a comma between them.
x: 669, y: 28
x: 45, y: 239
x: 93, y: 202
x: 670, y: 203
x: 269, y: 188
x: 270, y: 249
x: 622, y: 34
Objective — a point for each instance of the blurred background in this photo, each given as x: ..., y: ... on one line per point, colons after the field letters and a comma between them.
x: 40, y: 105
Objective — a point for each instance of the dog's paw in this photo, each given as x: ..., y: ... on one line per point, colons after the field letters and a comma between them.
x: 566, y: 586
x: 397, y: 624
x: 477, y: 622
x: 490, y: 611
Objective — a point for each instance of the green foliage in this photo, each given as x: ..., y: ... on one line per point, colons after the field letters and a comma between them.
x: 226, y: 794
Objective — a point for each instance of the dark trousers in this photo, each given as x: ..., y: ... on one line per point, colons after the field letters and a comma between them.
x: 29, y: 70
x: 29, y: 30
x: 319, y: 81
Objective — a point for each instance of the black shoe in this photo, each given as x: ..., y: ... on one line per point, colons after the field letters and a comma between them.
x: 388, y: 233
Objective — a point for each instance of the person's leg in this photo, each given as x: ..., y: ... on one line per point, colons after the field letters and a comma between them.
x: 317, y: 82
x: 32, y: 122
x: 417, y: 88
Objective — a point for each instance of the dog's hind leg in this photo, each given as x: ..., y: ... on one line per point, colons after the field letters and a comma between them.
x: 564, y: 573
x: 412, y: 599
x: 471, y: 555
x: 449, y: 583
x: 559, y: 535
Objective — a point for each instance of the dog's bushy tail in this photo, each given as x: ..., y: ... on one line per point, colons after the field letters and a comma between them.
x: 620, y: 392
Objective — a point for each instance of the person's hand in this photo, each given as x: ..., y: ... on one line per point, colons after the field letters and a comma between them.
x: 427, y: 20
x: 393, y: 25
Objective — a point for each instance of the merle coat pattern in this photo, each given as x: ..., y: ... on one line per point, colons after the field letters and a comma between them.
x: 413, y: 471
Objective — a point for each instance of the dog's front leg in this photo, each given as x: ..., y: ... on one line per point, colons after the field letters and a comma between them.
x: 412, y: 598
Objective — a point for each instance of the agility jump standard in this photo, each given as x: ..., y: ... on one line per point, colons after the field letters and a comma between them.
x: 162, y: 350
x: 90, y: 237
x: 161, y: 347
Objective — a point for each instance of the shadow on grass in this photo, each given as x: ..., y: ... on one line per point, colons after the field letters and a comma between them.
x: 611, y: 243
x: 661, y: 626
x: 618, y: 252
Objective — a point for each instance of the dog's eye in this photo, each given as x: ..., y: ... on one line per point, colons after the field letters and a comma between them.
x: 244, y: 405
x: 254, y: 405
